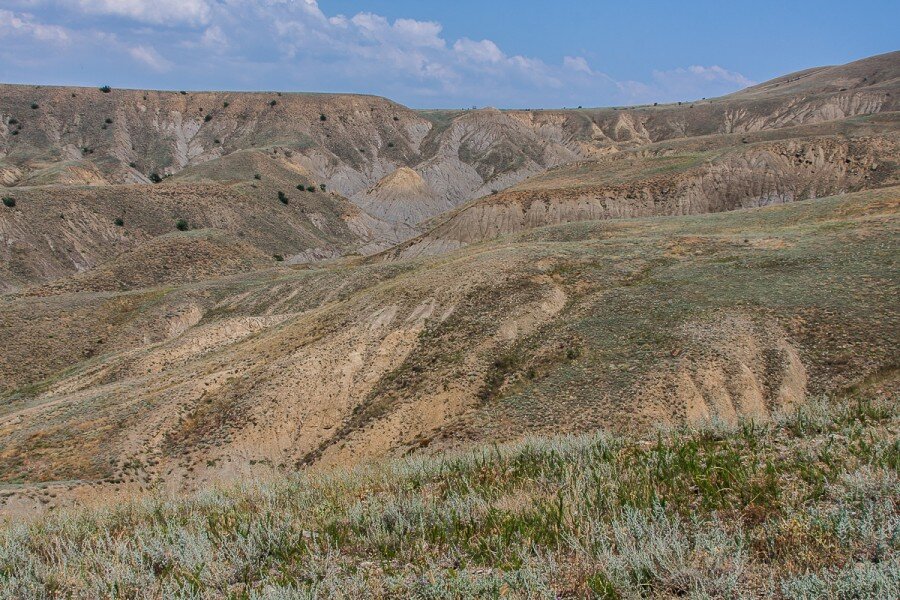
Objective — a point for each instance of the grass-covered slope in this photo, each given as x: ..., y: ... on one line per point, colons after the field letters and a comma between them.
x: 803, y: 507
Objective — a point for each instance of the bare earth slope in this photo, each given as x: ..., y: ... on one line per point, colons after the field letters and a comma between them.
x: 618, y: 324
x: 320, y: 280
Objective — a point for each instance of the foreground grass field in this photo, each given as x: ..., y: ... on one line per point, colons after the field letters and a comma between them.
x: 803, y: 507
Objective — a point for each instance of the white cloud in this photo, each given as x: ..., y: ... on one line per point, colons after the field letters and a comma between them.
x: 578, y: 64
x: 265, y: 44
x: 160, y: 12
x: 25, y: 24
x: 484, y: 51
x: 150, y: 57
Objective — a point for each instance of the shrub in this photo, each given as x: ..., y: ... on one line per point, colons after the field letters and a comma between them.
x: 9, y: 202
x: 322, y: 186
x: 282, y: 197
x: 106, y: 89
x: 217, y: 141
x: 301, y: 187
x: 181, y: 225
x: 34, y: 106
x: 13, y: 121
x: 278, y: 257
x: 323, y: 118
x: 207, y: 118
x: 273, y: 102
x: 225, y: 104
x: 183, y: 93
x: 15, y: 132
x: 119, y: 222
x: 132, y: 165
x: 257, y: 176
x: 310, y: 188
x: 390, y: 144
x: 396, y: 118
x: 154, y: 177
x: 108, y: 121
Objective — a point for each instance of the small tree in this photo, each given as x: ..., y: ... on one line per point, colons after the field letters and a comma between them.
x: 9, y: 202
x: 181, y: 225
x: 106, y: 89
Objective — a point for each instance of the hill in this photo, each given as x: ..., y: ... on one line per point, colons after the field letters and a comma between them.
x: 750, y: 511
x: 616, y: 324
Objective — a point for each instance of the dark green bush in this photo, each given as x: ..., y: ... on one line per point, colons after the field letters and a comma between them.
x: 119, y: 222
x: 108, y: 121
x: 225, y: 104
x: 310, y: 188
x: 278, y: 257
x: 323, y: 118
x: 207, y: 118
x: 34, y: 106
x: 9, y: 202
x: 154, y: 177
x: 13, y: 121
x: 273, y: 102
x: 257, y: 176
x: 322, y: 186
x: 282, y: 197
x: 106, y: 89
x: 132, y: 165
x: 181, y: 225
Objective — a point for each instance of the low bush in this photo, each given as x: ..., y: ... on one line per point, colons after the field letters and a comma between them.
x: 182, y: 225
x: 9, y: 202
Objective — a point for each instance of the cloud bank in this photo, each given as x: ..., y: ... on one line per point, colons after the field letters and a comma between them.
x: 293, y: 45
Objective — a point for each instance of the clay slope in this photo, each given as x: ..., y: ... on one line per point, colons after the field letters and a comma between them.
x: 690, y: 177
x: 180, y: 257
x: 56, y: 231
x: 621, y: 324
x: 403, y: 197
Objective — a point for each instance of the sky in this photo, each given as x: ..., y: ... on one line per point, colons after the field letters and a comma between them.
x: 440, y: 53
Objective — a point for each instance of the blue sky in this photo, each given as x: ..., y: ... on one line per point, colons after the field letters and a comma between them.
x: 525, y: 53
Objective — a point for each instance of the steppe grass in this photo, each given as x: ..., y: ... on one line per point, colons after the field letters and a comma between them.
x: 805, y: 506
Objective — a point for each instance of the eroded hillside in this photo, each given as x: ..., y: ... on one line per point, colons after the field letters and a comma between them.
x: 620, y: 324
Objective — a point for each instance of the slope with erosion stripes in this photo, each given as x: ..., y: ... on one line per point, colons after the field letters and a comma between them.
x: 619, y: 324
x: 691, y: 177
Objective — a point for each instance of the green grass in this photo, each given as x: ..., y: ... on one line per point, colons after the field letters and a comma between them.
x: 805, y: 506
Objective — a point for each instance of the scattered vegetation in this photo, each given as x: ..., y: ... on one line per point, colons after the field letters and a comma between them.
x: 182, y: 225
x: 9, y: 202
x: 804, y: 507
